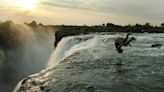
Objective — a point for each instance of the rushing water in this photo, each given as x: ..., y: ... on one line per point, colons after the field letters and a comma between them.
x: 141, y: 47
x: 90, y: 63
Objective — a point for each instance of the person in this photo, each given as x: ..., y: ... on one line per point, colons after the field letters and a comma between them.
x: 157, y: 45
x: 119, y: 42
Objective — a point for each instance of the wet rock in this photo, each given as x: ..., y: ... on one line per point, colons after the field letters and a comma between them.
x: 90, y: 89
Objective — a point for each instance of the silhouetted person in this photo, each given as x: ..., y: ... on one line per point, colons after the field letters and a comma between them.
x: 119, y: 42
x: 156, y: 45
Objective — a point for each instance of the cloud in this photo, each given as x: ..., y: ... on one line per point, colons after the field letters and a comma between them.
x: 131, y: 11
x: 78, y: 4
x: 145, y: 9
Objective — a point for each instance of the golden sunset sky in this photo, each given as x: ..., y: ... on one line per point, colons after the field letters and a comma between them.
x: 83, y: 12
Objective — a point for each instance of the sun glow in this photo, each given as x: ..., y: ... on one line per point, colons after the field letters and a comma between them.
x: 26, y: 4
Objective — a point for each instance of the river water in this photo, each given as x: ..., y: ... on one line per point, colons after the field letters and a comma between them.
x: 90, y: 63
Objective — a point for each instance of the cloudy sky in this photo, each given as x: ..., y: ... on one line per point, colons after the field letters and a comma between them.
x: 83, y: 12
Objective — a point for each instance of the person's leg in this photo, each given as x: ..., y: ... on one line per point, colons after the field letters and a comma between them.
x: 127, y: 36
x: 128, y: 42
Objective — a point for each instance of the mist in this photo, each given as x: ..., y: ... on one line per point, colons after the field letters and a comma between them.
x: 24, y: 50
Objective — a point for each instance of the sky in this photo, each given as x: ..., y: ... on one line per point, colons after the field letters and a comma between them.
x: 83, y: 12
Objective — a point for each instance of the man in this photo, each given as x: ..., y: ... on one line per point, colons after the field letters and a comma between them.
x: 157, y: 45
x: 119, y: 42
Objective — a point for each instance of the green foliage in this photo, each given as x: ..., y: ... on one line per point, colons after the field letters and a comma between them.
x: 162, y: 24
x: 65, y: 30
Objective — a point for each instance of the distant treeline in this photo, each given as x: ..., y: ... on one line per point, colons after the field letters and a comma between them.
x: 67, y: 30
x: 110, y: 27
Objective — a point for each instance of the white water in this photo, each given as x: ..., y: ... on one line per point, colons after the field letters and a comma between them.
x: 90, y: 63
x: 141, y: 47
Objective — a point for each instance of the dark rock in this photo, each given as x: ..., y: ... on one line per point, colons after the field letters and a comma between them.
x: 90, y: 89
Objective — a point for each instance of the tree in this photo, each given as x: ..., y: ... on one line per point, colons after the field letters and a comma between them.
x: 110, y: 25
x: 147, y: 24
x: 103, y: 24
x: 33, y: 24
x: 162, y: 24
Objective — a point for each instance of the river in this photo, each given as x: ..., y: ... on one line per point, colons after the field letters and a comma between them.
x: 90, y: 63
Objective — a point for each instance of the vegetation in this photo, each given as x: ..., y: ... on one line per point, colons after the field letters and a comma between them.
x: 9, y: 36
x: 67, y: 30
